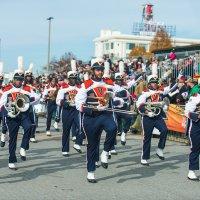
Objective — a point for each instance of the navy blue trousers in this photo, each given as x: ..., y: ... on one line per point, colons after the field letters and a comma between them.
x: 148, y: 125
x: 93, y: 127
x: 58, y: 113
x: 74, y: 130
x: 70, y: 116
x: 194, y: 136
x: 125, y: 120
x: 51, y: 110
x: 3, y: 123
x: 13, y: 125
x: 33, y: 122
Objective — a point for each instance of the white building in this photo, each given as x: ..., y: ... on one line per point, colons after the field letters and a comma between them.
x: 118, y: 45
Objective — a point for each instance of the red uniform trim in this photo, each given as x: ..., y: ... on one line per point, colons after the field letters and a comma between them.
x: 27, y: 88
x: 88, y: 83
x: 108, y: 81
x: 7, y: 87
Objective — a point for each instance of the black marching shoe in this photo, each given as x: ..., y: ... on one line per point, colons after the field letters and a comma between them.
x: 193, y: 179
x: 65, y: 154
x: 109, y: 155
x: 33, y: 140
x: 134, y: 131
x: 144, y: 162
x: 160, y: 154
x: 3, y: 144
x: 77, y: 148
x: 91, y: 178
x: 104, y: 159
x: 97, y: 165
x: 119, y: 133
x: 3, y: 139
x: 123, y: 143
x: 104, y: 165
x: 123, y: 138
x: 74, y: 139
x: 161, y: 157
x: 22, y: 153
x: 23, y: 158
x: 113, y: 152
x: 192, y: 176
x: 12, y: 166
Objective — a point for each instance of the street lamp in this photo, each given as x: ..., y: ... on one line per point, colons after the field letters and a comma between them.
x: 49, y: 44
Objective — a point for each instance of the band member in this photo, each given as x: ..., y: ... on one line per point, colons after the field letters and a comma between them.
x: 62, y: 84
x: 121, y: 91
x: 93, y: 100
x: 177, y: 92
x: 122, y: 118
x: 192, y: 112
x: 28, y: 81
x: 2, y: 117
x: 49, y: 95
x: 152, y: 117
x: 15, y: 102
x: 70, y: 115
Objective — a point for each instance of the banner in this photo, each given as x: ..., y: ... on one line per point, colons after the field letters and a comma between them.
x: 176, y: 121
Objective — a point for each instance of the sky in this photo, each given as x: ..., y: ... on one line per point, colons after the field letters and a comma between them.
x: 24, y: 28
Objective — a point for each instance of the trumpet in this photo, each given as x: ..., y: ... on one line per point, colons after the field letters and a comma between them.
x: 21, y: 104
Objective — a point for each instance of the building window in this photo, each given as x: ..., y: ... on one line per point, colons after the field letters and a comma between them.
x: 130, y: 46
x: 107, y: 46
x: 143, y: 45
x: 112, y: 45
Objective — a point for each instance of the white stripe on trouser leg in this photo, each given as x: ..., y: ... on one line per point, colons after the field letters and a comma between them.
x: 85, y: 136
x: 189, y: 134
x: 143, y: 136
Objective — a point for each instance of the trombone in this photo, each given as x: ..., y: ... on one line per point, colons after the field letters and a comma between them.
x: 114, y: 110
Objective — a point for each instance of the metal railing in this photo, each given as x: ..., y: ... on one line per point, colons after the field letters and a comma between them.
x: 187, y: 67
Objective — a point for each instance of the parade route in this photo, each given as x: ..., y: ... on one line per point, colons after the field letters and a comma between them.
x: 48, y: 175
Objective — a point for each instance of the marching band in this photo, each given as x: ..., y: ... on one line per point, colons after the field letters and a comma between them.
x: 99, y: 103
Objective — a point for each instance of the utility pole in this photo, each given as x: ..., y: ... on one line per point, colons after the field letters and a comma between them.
x: 49, y: 44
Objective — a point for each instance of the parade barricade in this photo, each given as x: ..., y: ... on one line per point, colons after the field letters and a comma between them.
x: 176, y: 121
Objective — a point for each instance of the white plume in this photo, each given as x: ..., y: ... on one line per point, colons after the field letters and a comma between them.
x: 106, y: 70
x: 20, y: 64
x: 1, y: 68
x: 121, y: 67
x: 73, y: 65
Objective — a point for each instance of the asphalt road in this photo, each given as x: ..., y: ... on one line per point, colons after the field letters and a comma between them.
x: 48, y: 175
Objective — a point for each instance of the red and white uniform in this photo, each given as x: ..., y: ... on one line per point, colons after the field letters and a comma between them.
x: 12, y: 92
x: 48, y: 90
x: 67, y: 90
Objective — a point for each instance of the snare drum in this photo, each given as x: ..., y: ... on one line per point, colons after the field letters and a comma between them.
x: 40, y: 109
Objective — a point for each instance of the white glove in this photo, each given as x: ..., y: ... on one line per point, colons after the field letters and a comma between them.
x: 42, y: 101
x: 165, y: 108
x: 71, y: 104
x: 121, y: 102
x: 101, y: 108
x: 150, y: 114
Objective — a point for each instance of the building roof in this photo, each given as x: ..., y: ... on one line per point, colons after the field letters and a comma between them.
x: 110, y: 35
